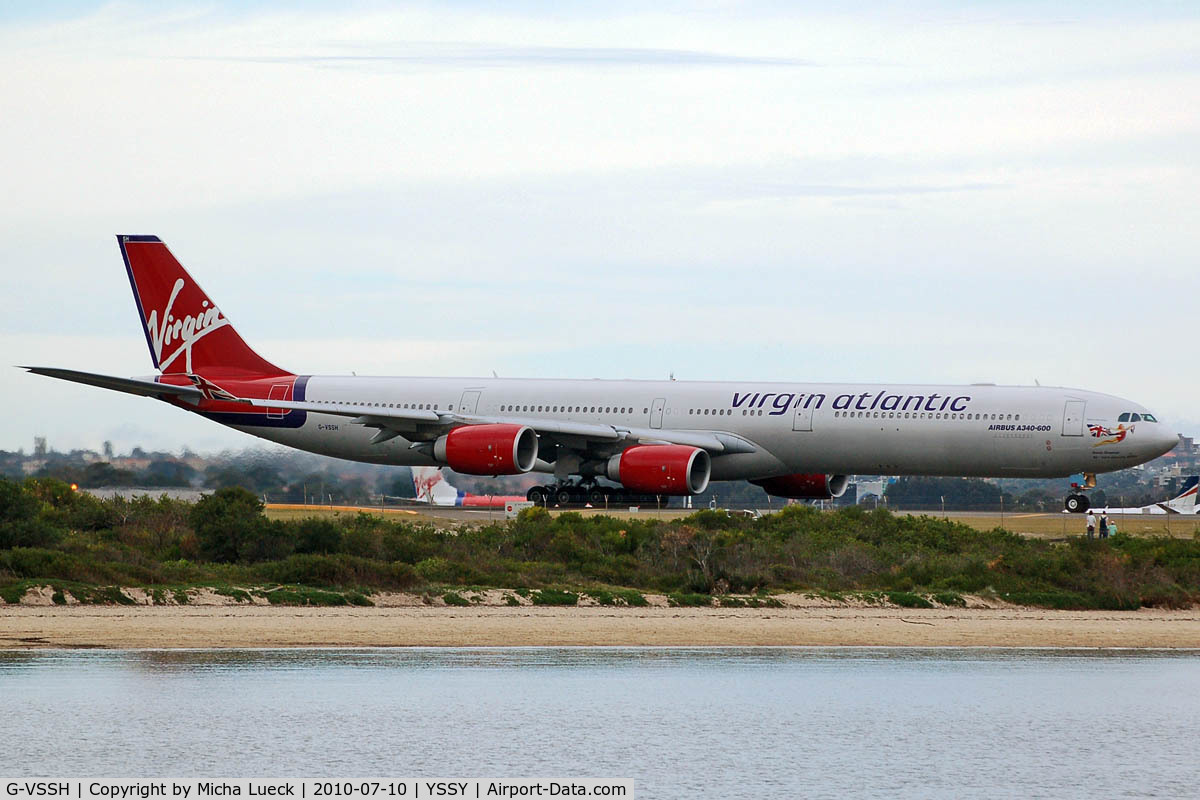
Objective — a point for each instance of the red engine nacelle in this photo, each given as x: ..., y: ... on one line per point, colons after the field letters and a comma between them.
x: 805, y: 487
x: 661, y: 469
x: 488, y: 449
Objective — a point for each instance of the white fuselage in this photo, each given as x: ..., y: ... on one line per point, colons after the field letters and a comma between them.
x: 976, y: 430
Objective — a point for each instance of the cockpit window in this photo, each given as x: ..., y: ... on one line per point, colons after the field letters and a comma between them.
x: 1124, y: 417
x: 1149, y: 418
x: 1135, y: 417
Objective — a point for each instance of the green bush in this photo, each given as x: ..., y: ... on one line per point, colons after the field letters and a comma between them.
x: 317, y: 535
x: 554, y: 597
x: 689, y: 599
x: 908, y: 600
x: 455, y: 599
x: 303, y: 596
x: 949, y: 599
x: 230, y: 527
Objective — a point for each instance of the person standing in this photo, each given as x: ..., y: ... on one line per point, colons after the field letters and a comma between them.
x: 1091, y: 523
x: 1103, y: 524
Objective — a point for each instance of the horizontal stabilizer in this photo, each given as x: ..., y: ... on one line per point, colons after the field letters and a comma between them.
x: 140, y: 386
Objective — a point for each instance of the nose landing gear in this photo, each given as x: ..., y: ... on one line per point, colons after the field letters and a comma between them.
x: 1076, y: 502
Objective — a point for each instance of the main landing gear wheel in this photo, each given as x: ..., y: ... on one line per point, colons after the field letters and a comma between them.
x: 1077, y: 503
x: 563, y: 497
x: 536, y: 495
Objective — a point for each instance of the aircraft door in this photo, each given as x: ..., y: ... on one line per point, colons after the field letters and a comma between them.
x: 1073, y: 418
x: 468, y: 403
x: 656, y: 412
x: 802, y: 421
x: 279, y: 391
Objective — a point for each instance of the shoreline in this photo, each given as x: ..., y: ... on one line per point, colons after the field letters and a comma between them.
x: 818, y: 625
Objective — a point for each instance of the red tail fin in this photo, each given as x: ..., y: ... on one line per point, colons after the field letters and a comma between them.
x: 185, y: 330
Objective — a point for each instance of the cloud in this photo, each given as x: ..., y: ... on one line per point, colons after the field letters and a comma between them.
x: 476, y: 55
x: 741, y: 192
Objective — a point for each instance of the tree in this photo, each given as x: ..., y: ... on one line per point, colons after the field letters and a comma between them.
x: 959, y: 493
x: 315, y: 535
x: 230, y: 526
x: 167, y: 473
x: 21, y: 524
x: 102, y: 473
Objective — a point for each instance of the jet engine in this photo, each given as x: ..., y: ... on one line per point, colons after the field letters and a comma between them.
x: 500, y: 449
x: 661, y: 469
x: 805, y: 487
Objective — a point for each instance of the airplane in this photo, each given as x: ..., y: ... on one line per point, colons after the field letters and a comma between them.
x: 1182, y: 503
x: 794, y: 439
x: 431, y: 486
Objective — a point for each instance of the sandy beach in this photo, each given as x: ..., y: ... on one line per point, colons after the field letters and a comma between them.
x: 229, y: 626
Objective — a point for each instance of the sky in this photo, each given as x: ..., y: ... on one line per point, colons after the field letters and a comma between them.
x: 927, y: 193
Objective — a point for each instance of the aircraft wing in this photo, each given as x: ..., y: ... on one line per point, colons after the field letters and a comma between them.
x: 716, y: 442
x: 393, y: 422
x: 397, y: 415
x: 139, y: 386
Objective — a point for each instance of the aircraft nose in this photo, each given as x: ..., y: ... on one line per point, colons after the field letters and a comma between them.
x: 1164, y: 440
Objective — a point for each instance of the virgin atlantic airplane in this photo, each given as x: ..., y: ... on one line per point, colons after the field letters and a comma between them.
x: 793, y: 439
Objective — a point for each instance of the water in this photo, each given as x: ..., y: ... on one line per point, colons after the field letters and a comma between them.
x: 684, y: 723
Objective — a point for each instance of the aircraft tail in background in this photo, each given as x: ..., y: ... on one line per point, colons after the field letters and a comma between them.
x: 1185, y: 501
x: 431, y: 486
x: 1182, y: 503
x: 185, y: 330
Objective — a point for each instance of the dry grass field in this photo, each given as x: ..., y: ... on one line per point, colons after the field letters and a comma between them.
x: 1061, y: 526
x: 1042, y: 526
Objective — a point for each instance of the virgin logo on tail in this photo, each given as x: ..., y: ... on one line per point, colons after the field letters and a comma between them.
x: 183, y: 331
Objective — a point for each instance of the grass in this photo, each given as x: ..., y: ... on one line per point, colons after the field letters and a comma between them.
x: 728, y: 601
x: 455, y: 599
x: 689, y: 600
x: 302, y: 596
x: 1038, y: 525
x: 241, y: 595
x: 618, y: 597
x: 949, y: 599
x: 554, y: 597
x: 704, y: 559
x: 908, y: 600
x: 1062, y: 526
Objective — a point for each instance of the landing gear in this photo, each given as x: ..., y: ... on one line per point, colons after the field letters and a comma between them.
x: 593, y: 494
x: 1077, y: 503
